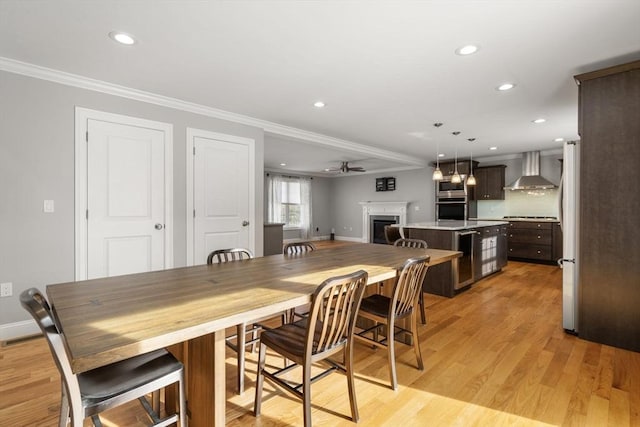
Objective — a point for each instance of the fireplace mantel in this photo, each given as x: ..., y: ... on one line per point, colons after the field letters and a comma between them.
x: 398, y: 209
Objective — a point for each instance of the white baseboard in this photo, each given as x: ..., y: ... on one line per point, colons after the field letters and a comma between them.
x: 16, y: 330
x: 351, y: 239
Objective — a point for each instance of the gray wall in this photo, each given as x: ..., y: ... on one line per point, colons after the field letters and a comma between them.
x: 37, y: 163
x: 414, y: 186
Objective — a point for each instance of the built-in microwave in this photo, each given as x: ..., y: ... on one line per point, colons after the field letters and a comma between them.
x: 447, y: 189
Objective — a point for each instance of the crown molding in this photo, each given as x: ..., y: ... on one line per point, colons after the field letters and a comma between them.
x: 75, y: 80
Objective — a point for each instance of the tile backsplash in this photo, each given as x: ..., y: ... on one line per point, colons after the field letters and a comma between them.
x: 525, y: 203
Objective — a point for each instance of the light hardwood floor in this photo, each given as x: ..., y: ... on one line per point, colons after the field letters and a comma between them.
x: 494, y: 355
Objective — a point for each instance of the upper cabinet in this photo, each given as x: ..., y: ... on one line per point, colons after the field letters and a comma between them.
x: 489, y: 183
x: 448, y: 168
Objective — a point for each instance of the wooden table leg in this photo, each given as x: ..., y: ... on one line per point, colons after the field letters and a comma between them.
x: 206, y: 384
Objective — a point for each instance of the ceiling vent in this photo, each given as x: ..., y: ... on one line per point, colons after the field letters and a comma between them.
x: 530, y: 179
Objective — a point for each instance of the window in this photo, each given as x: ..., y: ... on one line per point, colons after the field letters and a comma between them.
x: 290, y: 208
x: 289, y: 202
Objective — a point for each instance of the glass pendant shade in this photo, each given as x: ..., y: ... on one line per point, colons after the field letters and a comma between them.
x: 455, y: 178
x: 471, y: 180
x: 437, y: 174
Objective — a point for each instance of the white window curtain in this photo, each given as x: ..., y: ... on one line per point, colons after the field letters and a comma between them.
x: 286, y: 195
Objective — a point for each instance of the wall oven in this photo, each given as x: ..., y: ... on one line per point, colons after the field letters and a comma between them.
x: 452, y: 200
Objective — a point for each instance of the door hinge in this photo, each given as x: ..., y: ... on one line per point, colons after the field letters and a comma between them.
x: 86, y: 136
x: 194, y: 151
x: 194, y: 213
x: 87, y: 213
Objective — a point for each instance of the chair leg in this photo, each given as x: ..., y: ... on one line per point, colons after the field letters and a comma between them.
x: 416, y: 342
x: 257, y: 402
x: 391, y: 349
x: 348, y: 363
x: 241, y: 340
x: 306, y: 393
x: 64, y: 407
x: 423, y: 314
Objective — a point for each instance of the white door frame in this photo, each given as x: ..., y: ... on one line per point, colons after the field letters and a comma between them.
x: 82, y: 115
x: 251, y: 144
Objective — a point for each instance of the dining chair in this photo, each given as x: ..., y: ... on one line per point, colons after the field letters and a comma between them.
x: 326, y: 332
x: 418, y: 244
x: 293, y: 249
x: 238, y: 342
x: 386, y: 311
x: 391, y: 234
x: 88, y: 393
x: 298, y: 248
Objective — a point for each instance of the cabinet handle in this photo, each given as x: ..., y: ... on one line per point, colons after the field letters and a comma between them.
x: 539, y: 252
x: 510, y: 250
x: 510, y: 235
x: 539, y: 237
x: 538, y: 225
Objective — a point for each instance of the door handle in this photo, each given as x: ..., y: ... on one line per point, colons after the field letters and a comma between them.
x: 245, y: 223
x: 158, y: 226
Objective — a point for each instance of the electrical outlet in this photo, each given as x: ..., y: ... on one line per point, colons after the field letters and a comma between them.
x: 6, y: 289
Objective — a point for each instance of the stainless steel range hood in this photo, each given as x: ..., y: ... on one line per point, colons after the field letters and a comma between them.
x: 530, y: 179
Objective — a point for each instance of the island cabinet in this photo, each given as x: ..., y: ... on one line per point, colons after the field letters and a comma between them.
x: 489, y: 183
x: 531, y: 240
x: 439, y: 279
x: 490, y: 251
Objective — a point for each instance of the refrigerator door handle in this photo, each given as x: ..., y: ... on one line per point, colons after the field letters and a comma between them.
x: 561, y: 261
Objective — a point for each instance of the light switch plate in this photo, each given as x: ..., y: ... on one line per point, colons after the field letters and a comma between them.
x: 48, y: 206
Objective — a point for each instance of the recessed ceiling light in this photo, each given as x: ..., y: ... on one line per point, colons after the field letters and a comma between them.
x: 493, y: 148
x: 441, y: 155
x: 467, y: 50
x: 283, y: 164
x: 318, y: 104
x: 559, y: 139
x: 327, y: 170
x: 538, y: 121
x: 505, y: 86
x: 123, y: 38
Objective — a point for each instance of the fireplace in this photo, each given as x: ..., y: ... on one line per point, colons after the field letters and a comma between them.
x: 377, y: 224
x: 386, y: 213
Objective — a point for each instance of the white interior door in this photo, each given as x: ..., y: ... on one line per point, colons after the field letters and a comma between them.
x: 222, y: 195
x: 125, y: 199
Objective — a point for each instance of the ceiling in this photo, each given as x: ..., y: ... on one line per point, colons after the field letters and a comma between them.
x: 386, y: 70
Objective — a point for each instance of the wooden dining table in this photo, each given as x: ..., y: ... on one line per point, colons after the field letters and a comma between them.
x: 115, y: 318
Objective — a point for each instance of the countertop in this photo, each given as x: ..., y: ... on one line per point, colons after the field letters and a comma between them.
x: 454, y: 225
x: 542, y: 219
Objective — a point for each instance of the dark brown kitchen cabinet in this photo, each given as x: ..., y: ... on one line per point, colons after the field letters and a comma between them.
x: 530, y: 240
x: 609, y: 251
x: 489, y: 183
x: 464, y: 166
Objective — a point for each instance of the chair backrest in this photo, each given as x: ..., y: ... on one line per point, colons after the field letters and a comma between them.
x: 36, y: 304
x: 408, y: 286
x: 298, y: 248
x: 227, y: 255
x: 411, y: 243
x: 333, y: 312
x: 391, y: 234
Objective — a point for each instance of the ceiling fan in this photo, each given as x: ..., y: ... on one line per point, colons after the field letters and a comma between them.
x: 345, y: 168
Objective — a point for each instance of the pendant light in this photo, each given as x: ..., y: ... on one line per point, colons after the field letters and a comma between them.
x: 455, y: 178
x: 437, y: 173
x: 471, y: 180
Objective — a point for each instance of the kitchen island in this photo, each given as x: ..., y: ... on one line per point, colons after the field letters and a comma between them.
x: 482, y: 243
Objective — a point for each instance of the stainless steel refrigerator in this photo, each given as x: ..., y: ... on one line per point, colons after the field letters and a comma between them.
x: 569, y: 196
